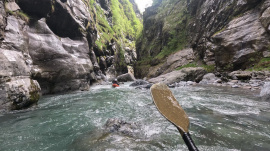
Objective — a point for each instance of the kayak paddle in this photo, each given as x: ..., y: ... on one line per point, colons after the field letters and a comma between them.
x: 168, y: 106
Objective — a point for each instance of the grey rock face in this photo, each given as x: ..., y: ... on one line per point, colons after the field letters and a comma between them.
x: 17, y: 90
x: 130, y: 56
x: 233, y: 33
x: 178, y: 59
x: 186, y: 74
x: 241, y: 42
x: 15, y: 38
x: 60, y: 63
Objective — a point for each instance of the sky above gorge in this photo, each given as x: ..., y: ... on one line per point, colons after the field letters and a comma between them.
x: 142, y: 4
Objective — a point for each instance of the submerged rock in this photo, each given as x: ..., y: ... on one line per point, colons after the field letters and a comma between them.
x: 114, y: 131
x: 120, y: 127
x: 138, y: 83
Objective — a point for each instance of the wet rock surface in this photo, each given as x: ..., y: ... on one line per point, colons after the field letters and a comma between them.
x: 126, y: 77
x: 138, y: 83
x: 238, y: 79
x: 120, y: 127
x: 114, y: 130
x: 187, y: 74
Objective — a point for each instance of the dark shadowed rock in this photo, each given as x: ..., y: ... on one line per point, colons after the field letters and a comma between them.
x: 69, y: 19
x: 40, y: 8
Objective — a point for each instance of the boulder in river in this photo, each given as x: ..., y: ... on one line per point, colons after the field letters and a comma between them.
x: 126, y: 77
x: 19, y: 93
x: 265, y: 92
x: 187, y: 74
x: 210, y: 78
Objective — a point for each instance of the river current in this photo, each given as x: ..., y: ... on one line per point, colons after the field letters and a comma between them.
x: 221, y: 119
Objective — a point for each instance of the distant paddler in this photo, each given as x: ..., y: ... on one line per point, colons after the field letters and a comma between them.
x: 115, y: 83
x: 169, y: 107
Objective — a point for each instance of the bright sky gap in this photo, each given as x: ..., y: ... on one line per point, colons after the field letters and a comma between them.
x: 142, y: 4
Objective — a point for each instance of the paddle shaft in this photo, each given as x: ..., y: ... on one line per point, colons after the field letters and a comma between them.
x: 189, y: 142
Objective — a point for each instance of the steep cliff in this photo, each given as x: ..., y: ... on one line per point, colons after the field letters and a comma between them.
x: 223, y: 35
x: 53, y: 46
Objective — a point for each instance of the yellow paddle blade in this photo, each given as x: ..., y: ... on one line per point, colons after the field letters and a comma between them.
x: 169, y: 107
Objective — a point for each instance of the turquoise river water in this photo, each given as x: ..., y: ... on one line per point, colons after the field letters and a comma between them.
x: 222, y: 119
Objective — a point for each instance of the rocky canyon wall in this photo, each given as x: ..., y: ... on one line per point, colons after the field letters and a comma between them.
x: 55, y: 46
x: 223, y: 35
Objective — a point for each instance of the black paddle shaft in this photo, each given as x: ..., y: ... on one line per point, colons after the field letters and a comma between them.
x: 189, y: 142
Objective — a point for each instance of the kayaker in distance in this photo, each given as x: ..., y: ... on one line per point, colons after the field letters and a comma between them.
x: 115, y: 83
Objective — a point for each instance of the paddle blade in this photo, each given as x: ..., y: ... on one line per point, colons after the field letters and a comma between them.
x: 169, y: 107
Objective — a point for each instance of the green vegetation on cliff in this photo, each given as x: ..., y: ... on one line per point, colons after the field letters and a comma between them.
x: 125, y: 21
x: 262, y: 65
x: 121, y: 27
x: 115, y: 21
x: 172, y: 20
x: 165, y: 32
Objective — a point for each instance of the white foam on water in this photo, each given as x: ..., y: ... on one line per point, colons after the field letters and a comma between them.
x: 151, y: 130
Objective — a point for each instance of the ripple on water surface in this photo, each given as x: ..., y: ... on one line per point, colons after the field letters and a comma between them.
x: 221, y: 119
